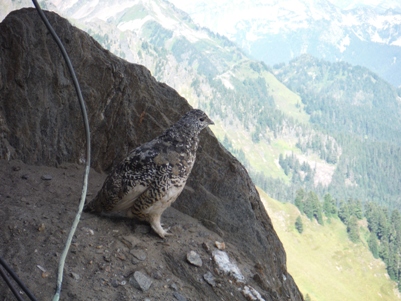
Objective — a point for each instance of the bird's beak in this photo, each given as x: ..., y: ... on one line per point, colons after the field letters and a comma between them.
x: 209, y: 121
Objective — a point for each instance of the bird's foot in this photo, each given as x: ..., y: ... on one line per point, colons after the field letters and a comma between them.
x: 160, y: 231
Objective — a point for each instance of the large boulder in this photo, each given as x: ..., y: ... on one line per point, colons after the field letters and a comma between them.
x: 41, y: 124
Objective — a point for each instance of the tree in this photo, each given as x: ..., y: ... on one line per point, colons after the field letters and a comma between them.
x: 343, y: 212
x: 383, y: 226
x: 308, y: 205
x: 355, y: 208
x: 373, y: 245
x: 371, y: 214
x: 317, y: 209
x: 299, y: 225
x: 329, y: 207
x: 299, y: 199
x: 353, y: 229
x: 384, y: 251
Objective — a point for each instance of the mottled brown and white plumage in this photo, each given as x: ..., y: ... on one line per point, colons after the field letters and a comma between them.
x: 153, y: 175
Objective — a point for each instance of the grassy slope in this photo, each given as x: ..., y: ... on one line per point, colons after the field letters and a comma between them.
x: 324, y: 263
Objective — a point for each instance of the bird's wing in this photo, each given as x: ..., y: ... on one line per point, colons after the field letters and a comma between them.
x: 133, y: 176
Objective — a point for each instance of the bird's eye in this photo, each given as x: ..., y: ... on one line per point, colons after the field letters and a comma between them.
x: 202, y: 119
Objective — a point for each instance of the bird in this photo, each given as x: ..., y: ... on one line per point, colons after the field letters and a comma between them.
x: 153, y: 175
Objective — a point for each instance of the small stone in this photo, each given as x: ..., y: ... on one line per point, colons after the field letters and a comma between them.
x: 209, y: 278
x: 140, y: 281
x: 130, y: 241
x: 157, y: 275
x: 25, y: 177
x: 41, y: 227
x: 88, y: 231
x: 46, y: 177
x: 194, y: 258
x: 121, y: 256
x: 226, y: 266
x: 115, y: 283
x: 220, y: 245
x: 138, y: 255
x: 107, y: 258
x: 206, y: 247
x: 45, y: 274
x: 174, y: 286
x: 16, y: 168
x: 251, y: 294
x: 74, y: 275
x: 179, y: 297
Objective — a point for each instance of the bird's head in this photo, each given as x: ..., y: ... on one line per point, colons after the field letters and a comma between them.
x: 195, y: 121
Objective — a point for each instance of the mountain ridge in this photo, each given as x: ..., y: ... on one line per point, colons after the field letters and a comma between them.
x: 364, y: 35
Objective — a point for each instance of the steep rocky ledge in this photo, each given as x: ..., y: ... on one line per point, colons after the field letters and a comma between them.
x: 41, y: 132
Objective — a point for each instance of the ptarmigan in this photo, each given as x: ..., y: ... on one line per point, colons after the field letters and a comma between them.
x: 153, y: 175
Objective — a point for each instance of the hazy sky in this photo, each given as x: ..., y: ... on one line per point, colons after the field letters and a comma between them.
x: 345, y: 4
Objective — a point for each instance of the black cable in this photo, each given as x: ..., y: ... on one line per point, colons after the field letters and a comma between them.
x: 88, y: 150
x: 10, y: 285
x: 15, y: 277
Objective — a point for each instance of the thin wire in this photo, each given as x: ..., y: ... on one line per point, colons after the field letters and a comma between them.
x: 15, y: 277
x: 88, y: 149
x: 10, y: 285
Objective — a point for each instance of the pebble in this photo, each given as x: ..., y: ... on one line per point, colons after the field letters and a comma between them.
x: 88, y: 231
x: 41, y: 227
x: 45, y: 274
x: 209, y: 278
x: 194, y: 258
x: 140, y: 281
x: 157, y: 275
x: 116, y: 283
x: 206, y: 247
x: 220, y: 245
x: 226, y: 266
x: 130, y: 240
x: 174, y: 287
x: 138, y: 256
x: 251, y: 294
x: 25, y: 177
x: 74, y: 275
x: 106, y: 258
x: 179, y: 297
x: 46, y: 177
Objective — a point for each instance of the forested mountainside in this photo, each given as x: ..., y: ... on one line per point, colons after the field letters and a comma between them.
x: 341, y: 98
x: 361, y: 111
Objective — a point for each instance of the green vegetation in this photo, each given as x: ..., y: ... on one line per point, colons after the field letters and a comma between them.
x: 325, y: 264
x: 383, y: 231
x: 299, y: 225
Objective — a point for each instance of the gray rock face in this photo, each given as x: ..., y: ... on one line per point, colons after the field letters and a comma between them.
x: 40, y: 123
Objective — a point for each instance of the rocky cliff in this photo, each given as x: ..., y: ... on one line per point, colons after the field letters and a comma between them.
x: 40, y: 125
